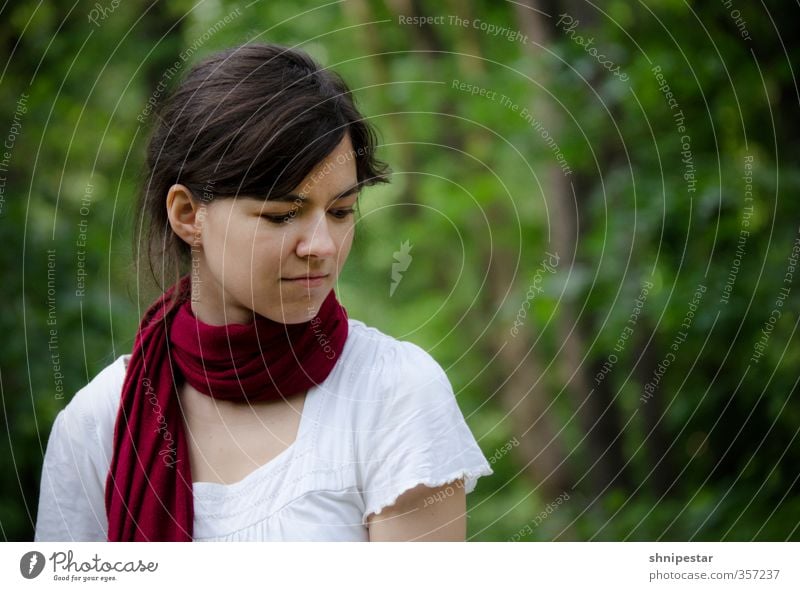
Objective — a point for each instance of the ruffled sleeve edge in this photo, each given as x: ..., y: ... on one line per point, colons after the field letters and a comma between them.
x: 470, y: 477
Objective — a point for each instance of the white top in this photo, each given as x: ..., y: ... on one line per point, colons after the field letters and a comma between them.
x: 384, y: 421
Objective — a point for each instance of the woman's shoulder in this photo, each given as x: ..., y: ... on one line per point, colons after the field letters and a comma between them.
x: 98, y: 401
x: 381, y: 372
x: 379, y: 363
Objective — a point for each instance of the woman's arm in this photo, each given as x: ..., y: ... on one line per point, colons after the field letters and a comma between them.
x: 71, y: 502
x: 423, y: 514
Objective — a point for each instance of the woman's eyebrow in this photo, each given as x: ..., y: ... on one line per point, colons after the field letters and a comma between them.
x: 346, y: 193
x: 292, y: 198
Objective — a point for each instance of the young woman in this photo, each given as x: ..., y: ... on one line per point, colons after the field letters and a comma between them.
x: 251, y: 406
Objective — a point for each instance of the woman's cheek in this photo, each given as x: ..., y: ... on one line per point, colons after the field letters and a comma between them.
x: 344, y: 246
x: 268, y: 252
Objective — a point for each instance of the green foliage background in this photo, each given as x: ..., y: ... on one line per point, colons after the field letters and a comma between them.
x: 478, y: 194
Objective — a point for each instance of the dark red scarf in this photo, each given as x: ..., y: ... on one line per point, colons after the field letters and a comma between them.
x: 149, y: 485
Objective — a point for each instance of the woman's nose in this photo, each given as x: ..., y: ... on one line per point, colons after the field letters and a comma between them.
x: 316, y: 238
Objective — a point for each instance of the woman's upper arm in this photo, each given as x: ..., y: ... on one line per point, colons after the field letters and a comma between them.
x: 71, y: 496
x: 423, y: 514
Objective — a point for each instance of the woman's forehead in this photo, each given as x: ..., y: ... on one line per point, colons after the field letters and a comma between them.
x: 321, y: 194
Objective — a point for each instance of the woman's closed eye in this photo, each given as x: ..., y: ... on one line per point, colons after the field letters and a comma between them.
x: 284, y: 218
x: 280, y: 218
x: 341, y: 213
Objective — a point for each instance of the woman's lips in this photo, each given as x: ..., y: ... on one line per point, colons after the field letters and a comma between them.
x: 307, y: 281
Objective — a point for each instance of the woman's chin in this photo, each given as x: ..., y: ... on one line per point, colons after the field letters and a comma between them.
x: 291, y: 314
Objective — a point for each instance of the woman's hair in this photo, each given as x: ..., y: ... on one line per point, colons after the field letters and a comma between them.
x: 251, y: 120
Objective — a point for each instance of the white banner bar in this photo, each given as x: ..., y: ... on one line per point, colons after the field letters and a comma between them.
x: 401, y: 566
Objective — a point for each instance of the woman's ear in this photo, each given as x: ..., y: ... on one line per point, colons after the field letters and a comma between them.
x: 184, y: 214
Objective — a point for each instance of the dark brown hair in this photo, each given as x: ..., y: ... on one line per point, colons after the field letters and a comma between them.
x: 251, y: 120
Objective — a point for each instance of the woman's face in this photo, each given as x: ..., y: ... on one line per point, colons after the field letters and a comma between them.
x: 257, y: 255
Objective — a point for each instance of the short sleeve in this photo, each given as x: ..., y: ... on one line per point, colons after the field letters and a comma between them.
x: 71, y: 497
x: 414, y: 433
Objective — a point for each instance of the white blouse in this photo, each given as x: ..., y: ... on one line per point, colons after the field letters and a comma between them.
x: 384, y: 421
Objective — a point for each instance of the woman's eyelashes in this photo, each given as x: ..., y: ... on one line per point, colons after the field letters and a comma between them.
x: 339, y: 214
x: 280, y: 219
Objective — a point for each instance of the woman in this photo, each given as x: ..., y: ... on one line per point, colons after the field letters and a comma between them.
x: 251, y: 407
